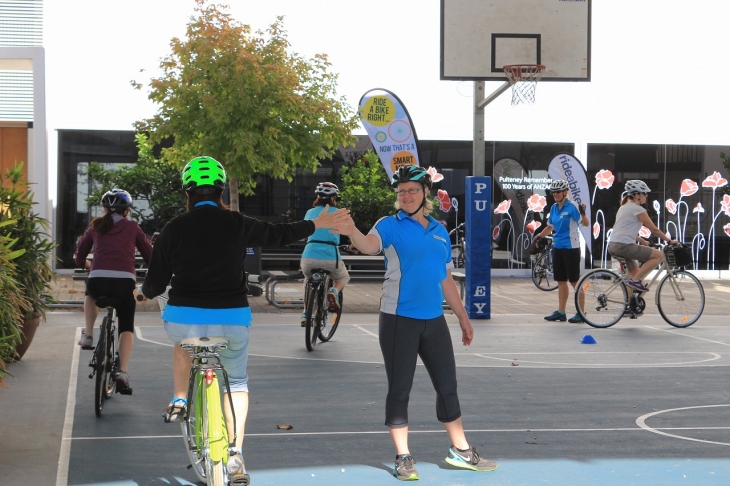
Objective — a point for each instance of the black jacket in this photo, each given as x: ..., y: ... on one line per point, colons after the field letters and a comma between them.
x: 200, y: 254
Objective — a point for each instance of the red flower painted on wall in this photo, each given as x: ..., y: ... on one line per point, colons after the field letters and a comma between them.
x: 596, y: 230
x: 688, y: 187
x: 715, y: 180
x: 495, y: 233
x: 503, y: 207
x: 532, y: 227
x: 671, y: 206
x: 726, y: 229
x: 604, y: 179
x: 435, y: 176
x: 644, y: 232
x: 444, y: 201
x: 726, y: 204
x: 536, y: 203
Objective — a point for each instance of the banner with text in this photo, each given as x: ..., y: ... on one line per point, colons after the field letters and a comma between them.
x: 568, y: 168
x: 510, y: 176
x: 390, y: 129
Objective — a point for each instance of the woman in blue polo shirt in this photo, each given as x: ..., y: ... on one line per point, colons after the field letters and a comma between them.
x: 418, y: 264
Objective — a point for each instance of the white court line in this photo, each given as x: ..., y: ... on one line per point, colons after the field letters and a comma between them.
x: 138, y: 332
x: 509, y: 298
x: 641, y: 422
x: 365, y: 330
x: 688, y: 335
x: 68, y: 421
x: 713, y: 357
x: 437, y: 431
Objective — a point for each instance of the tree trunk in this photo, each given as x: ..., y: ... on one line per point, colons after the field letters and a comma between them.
x: 233, y: 194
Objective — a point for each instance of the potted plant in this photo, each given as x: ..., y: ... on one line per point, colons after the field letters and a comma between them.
x: 33, y: 271
x: 12, y: 306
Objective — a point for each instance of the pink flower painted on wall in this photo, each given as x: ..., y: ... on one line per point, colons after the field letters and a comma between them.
x: 503, y: 207
x: 688, y: 187
x: 435, y: 176
x: 671, y: 206
x: 644, y: 232
x: 698, y: 208
x: 444, y: 201
x: 726, y: 229
x: 604, y: 179
x: 715, y: 180
x: 596, y: 230
x: 536, y: 203
x: 726, y: 204
x: 532, y: 227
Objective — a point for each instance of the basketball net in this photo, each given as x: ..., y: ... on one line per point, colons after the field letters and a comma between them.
x: 523, y: 78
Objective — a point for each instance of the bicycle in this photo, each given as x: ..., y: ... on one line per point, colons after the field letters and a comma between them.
x: 321, y: 321
x: 458, y: 253
x: 204, y: 423
x: 105, y: 360
x: 542, y: 268
x: 680, y: 297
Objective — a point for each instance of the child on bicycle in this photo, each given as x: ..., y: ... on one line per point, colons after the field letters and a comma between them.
x: 629, y: 219
x: 201, y: 255
x: 322, y: 250
x: 114, y: 239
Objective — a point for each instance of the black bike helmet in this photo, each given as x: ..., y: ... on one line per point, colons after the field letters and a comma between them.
x: 203, y: 175
x: 408, y: 173
x: 116, y: 200
x: 326, y: 190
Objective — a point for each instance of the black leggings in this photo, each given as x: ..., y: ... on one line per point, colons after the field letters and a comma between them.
x: 402, y: 340
x: 122, y: 289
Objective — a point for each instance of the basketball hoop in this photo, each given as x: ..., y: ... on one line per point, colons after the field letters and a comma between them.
x: 523, y: 78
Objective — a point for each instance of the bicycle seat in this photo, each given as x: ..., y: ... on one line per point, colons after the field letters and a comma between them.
x: 211, y: 342
x: 320, y: 270
x: 104, y: 302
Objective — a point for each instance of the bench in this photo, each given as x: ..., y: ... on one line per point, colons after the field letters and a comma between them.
x: 358, y: 266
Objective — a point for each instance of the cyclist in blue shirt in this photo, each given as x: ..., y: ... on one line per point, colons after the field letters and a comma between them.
x: 418, y: 279
x: 565, y: 215
x: 322, y: 250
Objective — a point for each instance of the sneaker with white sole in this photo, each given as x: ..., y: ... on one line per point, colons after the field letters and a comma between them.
x: 469, y: 459
x: 405, y: 469
x: 333, y: 299
x: 122, y: 379
x: 86, y: 342
x: 637, y: 285
x: 237, y: 471
x: 177, y: 407
x: 303, y: 319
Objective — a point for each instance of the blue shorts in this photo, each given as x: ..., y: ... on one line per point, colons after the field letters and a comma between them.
x: 234, y: 357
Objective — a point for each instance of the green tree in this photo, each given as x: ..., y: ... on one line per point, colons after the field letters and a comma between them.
x: 246, y: 100
x: 366, y: 191
x: 150, y: 179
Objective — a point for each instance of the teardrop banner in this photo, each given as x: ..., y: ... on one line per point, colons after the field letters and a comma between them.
x: 568, y: 168
x: 390, y: 129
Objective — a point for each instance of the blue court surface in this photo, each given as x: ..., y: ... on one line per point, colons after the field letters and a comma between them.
x: 647, y: 404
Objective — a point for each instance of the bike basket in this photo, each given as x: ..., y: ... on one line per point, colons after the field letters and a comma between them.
x: 678, y: 257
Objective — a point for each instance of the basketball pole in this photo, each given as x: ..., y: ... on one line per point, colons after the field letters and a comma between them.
x: 478, y: 162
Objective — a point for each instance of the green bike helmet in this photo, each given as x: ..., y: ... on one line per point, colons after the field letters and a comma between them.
x: 408, y: 173
x: 203, y: 175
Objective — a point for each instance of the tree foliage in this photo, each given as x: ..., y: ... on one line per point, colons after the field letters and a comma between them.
x: 366, y: 191
x: 150, y: 179
x: 246, y: 100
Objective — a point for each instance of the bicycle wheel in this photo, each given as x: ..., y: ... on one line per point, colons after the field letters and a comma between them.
x: 329, y: 320
x: 102, y: 369
x: 605, y: 297
x: 192, y: 426
x: 681, y: 299
x: 216, y: 435
x: 542, y: 273
x: 314, y: 309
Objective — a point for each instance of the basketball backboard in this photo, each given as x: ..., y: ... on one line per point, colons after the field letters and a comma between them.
x: 480, y: 37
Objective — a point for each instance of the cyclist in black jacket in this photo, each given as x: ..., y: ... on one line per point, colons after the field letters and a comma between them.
x: 201, y: 254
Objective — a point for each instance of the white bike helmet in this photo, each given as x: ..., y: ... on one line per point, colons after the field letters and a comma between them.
x: 558, y: 185
x: 326, y: 190
x: 636, y: 187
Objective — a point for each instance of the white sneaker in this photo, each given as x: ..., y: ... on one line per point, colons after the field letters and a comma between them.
x: 86, y: 342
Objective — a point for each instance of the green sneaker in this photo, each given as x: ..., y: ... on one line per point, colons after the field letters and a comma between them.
x: 556, y: 316
x: 469, y: 459
x: 404, y: 468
